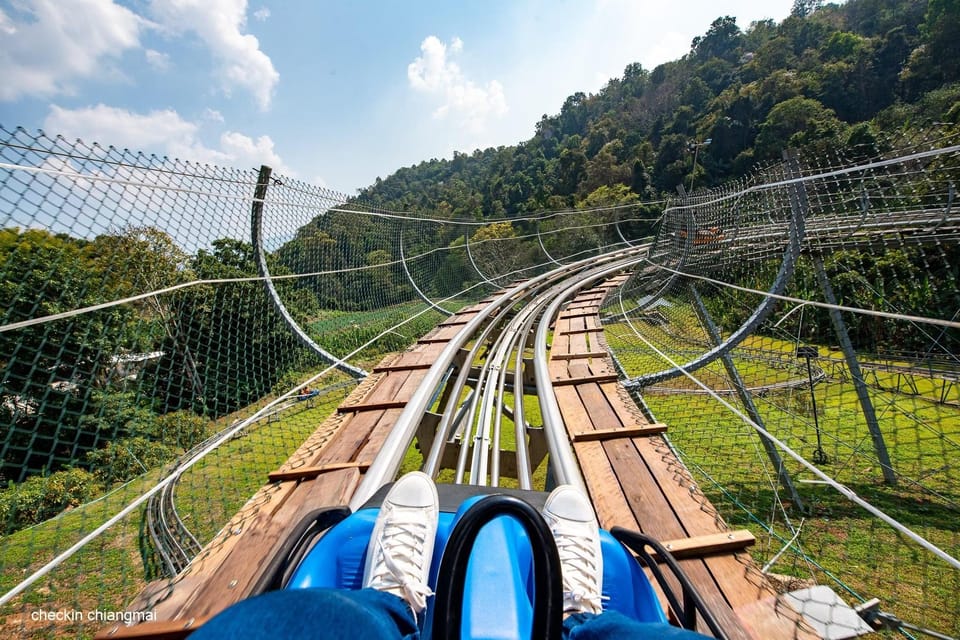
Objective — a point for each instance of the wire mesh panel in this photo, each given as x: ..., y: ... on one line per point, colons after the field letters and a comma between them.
x: 799, y: 333
x: 171, y: 332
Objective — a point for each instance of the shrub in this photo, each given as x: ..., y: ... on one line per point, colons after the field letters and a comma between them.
x: 182, y: 429
x: 127, y: 458
x: 40, y: 498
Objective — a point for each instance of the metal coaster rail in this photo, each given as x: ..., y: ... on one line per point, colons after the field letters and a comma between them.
x: 503, y: 328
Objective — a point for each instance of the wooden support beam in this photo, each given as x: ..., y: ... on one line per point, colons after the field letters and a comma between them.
x: 607, y: 377
x: 699, y: 546
x: 372, y: 406
x: 579, y: 356
x: 624, y: 432
x: 306, y: 473
x: 570, y: 332
x: 400, y: 366
x: 570, y: 316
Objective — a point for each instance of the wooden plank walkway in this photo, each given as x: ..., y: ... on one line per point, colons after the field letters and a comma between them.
x: 633, y: 478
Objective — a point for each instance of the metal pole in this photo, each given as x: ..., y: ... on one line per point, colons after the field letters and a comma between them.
x: 854, y: 366
x: 259, y: 256
x: 819, y: 456
x: 746, y: 400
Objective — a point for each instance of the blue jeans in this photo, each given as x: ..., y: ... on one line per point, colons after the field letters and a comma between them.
x: 299, y: 614
x: 343, y: 614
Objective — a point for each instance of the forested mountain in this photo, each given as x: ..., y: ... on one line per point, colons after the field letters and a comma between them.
x: 828, y: 74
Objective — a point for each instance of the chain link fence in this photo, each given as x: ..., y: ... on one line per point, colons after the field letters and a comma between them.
x: 798, y: 332
x: 171, y: 332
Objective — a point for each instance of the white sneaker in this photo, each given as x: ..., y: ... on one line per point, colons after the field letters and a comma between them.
x: 576, y: 533
x: 401, y: 545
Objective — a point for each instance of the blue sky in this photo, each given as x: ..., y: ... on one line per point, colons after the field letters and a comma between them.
x: 334, y: 93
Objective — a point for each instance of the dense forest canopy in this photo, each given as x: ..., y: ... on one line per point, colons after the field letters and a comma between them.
x: 827, y: 76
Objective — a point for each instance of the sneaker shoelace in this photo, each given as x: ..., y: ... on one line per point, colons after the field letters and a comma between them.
x: 581, y: 587
x: 402, y: 547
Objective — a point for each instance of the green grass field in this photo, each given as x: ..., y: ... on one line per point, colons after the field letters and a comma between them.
x: 108, y: 573
x: 839, y: 538
x: 843, y: 546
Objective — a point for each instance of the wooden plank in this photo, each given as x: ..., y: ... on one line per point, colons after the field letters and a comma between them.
x: 737, y: 576
x: 158, y: 630
x: 773, y: 617
x: 371, y: 447
x: 585, y: 330
x: 568, y: 316
x: 406, y: 390
x: 657, y: 517
x: 344, y: 446
x: 307, y: 473
x: 609, y: 377
x: 650, y: 507
x: 714, y: 599
x: 402, y: 366
x: 188, y: 585
x: 384, y: 390
x: 604, y: 487
x: 602, y: 415
x: 459, y: 321
x: 372, y: 406
x: 259, y: 542
x: 574, y: 414
x: 625, y: 432
x: 621, y: 403
x: 705, y: 545
x: 579, y: 342
x: 578, y: 356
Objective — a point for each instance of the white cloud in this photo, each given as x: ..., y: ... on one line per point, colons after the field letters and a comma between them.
x: 433, y: 72
x: 261, y: 14
x: 212, y: 115
x: 6, y: 25
x: 157, y: 60
x: 50, y: 44
x: 220, y: 24
x: 163, y: 131
x: 244, y: 151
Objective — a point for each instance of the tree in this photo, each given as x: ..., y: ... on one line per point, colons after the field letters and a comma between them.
x: 794, y: 123
x: 803, y: 8
x: 497, y: 251
x: 51, y: 369
x: 722, y: 40
x: 941, y: 31
x: 605, y: 169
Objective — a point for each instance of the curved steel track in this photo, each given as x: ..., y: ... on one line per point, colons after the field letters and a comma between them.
x: 488, y: 356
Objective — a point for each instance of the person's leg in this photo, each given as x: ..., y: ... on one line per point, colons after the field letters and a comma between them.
x: 576, y: 533
x: 401, y: 545
x: 302, y: 614
x: 613, y: 625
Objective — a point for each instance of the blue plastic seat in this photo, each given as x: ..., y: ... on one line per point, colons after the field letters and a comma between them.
x: 499, y: 591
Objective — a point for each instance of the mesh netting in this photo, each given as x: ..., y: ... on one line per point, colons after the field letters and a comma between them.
x: 818, y: 301
x: 172, y: 332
